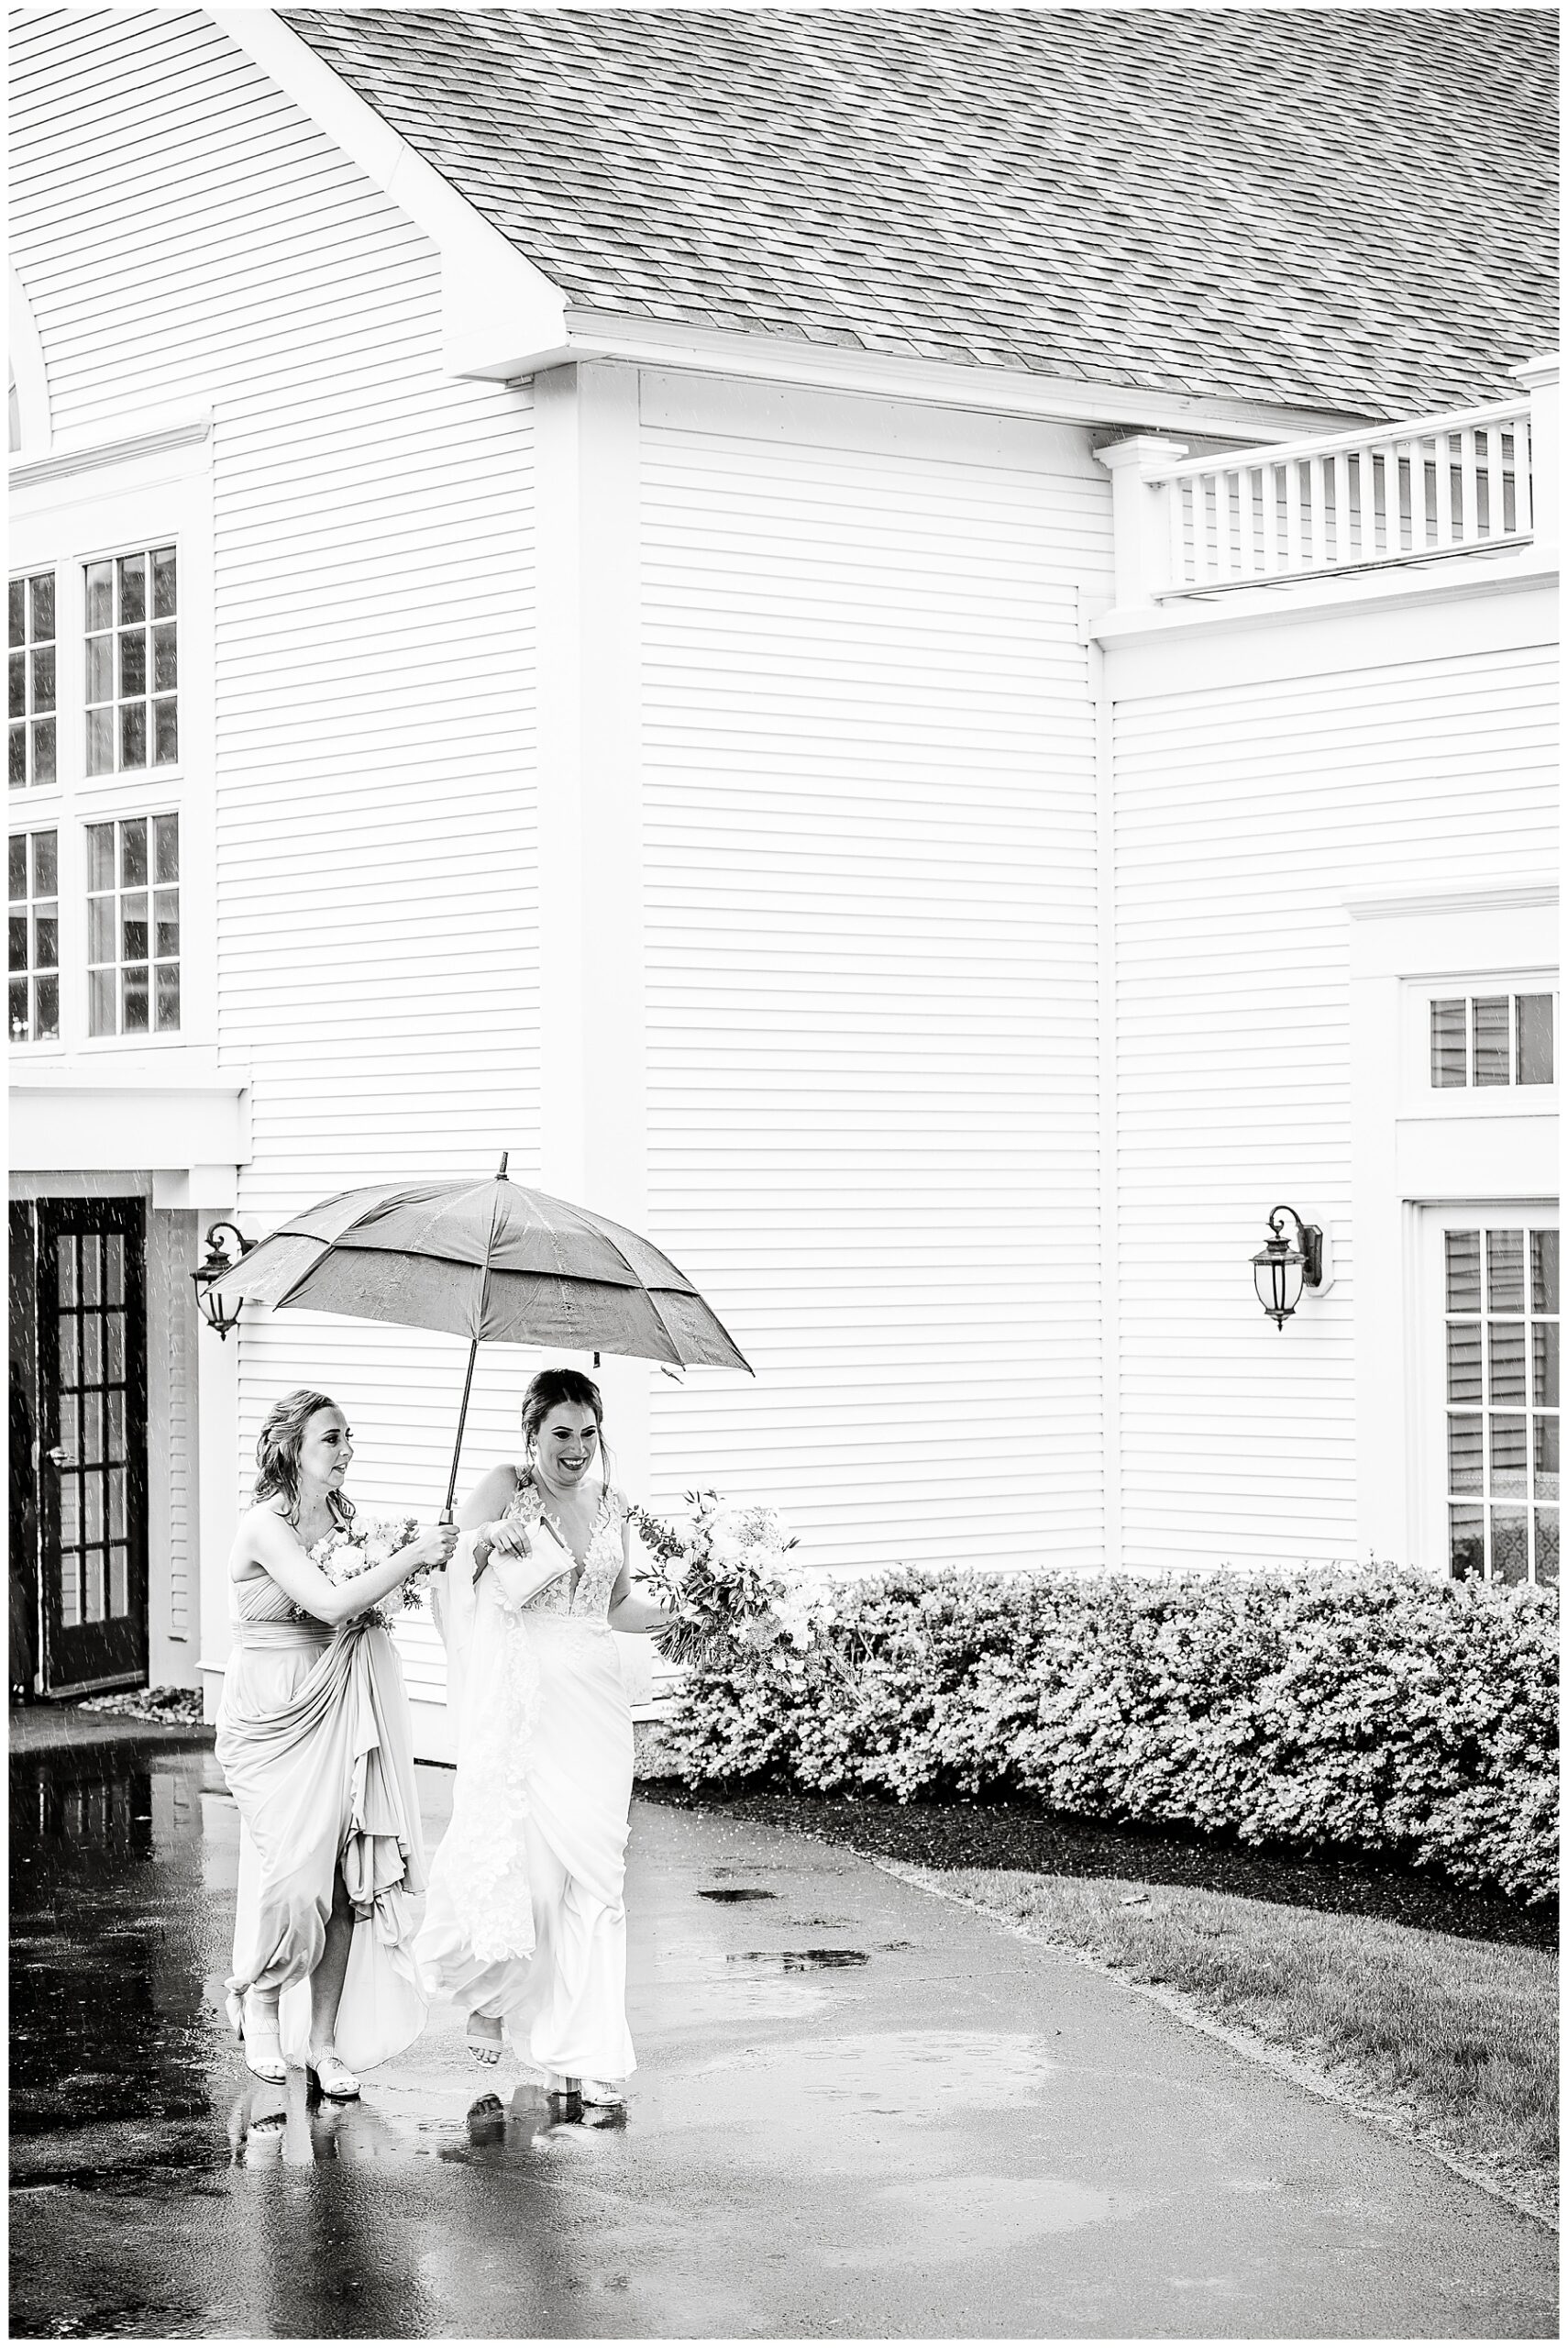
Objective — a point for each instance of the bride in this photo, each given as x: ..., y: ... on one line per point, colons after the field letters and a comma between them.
x: 525, y: 1921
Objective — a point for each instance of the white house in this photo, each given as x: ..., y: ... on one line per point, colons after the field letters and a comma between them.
x: 916, y: 656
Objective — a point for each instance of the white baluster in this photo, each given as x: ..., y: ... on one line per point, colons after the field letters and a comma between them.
x: 1318, y: 554
x: 1342, y: 506
x: 1469, y: 501
x: 1497, y: 496
x: 1294, y: 560
x: 1417, y: 450
x: 1524, y: 483
x: 1268, y: 489
x: 1442, y: 481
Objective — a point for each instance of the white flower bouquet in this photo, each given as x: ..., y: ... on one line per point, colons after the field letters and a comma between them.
x: 351, y: 1550
x: 722, y: 1577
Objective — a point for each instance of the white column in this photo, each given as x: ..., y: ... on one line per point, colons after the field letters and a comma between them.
x: 592, y: 1043
x: 1539, y: 377
x: 1139, y: 516
x: 217, y: 1499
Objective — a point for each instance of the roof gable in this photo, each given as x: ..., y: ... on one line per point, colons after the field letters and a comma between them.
x: 1342, y: 209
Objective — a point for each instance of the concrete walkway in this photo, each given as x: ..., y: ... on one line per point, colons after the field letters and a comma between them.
x: 859, y: 2111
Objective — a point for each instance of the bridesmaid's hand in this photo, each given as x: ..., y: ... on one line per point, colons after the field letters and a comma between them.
x: 432, y: 1550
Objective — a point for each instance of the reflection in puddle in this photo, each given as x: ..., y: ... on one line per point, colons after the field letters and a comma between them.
x: 290, y: 2126
x: 799, y: 1960
x: 730, y: 1895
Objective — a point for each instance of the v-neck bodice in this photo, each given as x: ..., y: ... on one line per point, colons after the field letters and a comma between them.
x: 586, y: 1593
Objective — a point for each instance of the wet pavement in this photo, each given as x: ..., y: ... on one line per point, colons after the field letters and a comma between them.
x: 859, y: 2112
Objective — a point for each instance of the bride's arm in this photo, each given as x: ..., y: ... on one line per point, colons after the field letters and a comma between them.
x: 626, y: 1612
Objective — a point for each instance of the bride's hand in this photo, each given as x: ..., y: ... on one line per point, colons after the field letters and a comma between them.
x: 434, y: 1547
x: 509, y: 1538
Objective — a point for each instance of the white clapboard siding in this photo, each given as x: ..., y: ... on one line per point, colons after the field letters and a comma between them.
x: 871, y: 835
x: 188, y: 237
x: 1244, y: 818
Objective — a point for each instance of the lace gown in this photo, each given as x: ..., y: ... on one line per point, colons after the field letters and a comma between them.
x: 524, y: 1917
x: 314, y: 1739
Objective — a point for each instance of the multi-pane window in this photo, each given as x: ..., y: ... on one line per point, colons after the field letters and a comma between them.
x: 1490, y: 1039
x: 34, y: 951
x: 1501, y: 1329
x: 31, y: 656
x: 95, y: 1495
x: 133, y: 926
x: 133, y: 718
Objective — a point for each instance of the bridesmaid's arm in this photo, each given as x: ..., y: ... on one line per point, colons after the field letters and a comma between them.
x: 626, y: 1612
x: 275, y: 1545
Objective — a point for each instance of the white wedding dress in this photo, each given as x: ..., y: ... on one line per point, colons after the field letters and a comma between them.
x: 525, y: 1918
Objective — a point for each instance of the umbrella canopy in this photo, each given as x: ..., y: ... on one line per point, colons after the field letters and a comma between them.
x: 484, y: 1260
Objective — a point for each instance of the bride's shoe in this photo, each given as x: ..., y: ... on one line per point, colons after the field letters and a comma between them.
x: 609, y: 2094
x: 258, y: 2037
x: 331, y: 2073
x: 485, y: 2037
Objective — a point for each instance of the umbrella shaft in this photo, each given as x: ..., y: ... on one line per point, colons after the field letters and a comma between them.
x: 458, y: 1447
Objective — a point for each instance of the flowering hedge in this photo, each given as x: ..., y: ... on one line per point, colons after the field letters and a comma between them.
x: 1378, y: 1711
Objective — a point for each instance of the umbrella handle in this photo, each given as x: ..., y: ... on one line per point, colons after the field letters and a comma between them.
x: 458, y: 1447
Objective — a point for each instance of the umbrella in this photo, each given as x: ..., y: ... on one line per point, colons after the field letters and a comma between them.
x: 484, y: 1260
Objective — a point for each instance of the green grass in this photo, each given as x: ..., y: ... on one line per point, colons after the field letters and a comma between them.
x: 1456, y: 2038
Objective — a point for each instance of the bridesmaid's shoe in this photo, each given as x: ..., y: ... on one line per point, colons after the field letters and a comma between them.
x: 482, y: 2045
x: 263, y: 2053
x: 331, y: 2074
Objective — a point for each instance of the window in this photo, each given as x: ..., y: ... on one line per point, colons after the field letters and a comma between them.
x: 1501, y: 1335
x: 34, y: 954
x: 31, y: 654
x: 132, y: 717
x: 133, y: 926
x: 1491, y: 1039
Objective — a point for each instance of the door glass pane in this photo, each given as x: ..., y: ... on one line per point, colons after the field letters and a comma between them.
x: 117, y: 1503
x: 1463, y: 1255
x: 1510, y: 1560
x: 70, y: 1511
x: 1534, y: 1019
x: 1464, y: 1361
x: 1508, y: 1454
x: 92, y: 1430
x: 1493, y: 1043
x: 114, y: 1348
x: 1466, y: 1546
x: 92, y: 1586
x: 70, y: 1590
x: 91, y: 1350
x: 92, y: 1507
x: 1463, y: 1453
x: 1548, y: 1464
x: 1543, y: 1345
x: 1506, y: 1351
x: 1504, y: 1271
x: 1448, y: 1041
x: 114, y: 1269
x: 1543, y: 1249
x: 90, y: 1269
x: 119, y: 1582
x: 70, y: 1371
x: 1546, y: 1541
x: 65, y: 1262
x: 117, y: 1401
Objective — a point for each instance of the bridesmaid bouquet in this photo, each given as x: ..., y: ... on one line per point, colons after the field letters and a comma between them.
x: 352, y: 1549
x: 722, y: 1577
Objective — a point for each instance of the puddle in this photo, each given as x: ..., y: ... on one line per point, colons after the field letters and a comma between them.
x: 948, y: 2219
x: 730, y: 1894
x: 799, y: 1960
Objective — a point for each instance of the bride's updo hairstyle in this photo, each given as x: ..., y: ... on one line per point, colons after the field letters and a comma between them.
x: 278, y: 1453
x: 548, y: 1390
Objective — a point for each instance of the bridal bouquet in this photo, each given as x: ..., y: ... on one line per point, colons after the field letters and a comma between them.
x: 352, y: 1549
x: 722, y: 1577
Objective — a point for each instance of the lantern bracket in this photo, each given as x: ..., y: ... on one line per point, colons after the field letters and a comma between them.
x: 221, y: 1257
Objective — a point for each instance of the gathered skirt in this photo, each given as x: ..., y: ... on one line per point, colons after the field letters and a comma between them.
x: 314, y: 1738
x: 525, y: 1918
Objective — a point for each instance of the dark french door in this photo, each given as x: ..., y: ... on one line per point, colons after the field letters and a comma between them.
x: 91, y: 1443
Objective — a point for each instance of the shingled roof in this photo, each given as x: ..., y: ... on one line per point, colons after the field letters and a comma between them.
x: 1347, y: 209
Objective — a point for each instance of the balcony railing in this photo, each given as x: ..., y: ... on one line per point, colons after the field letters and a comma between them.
x: 1472, y: 481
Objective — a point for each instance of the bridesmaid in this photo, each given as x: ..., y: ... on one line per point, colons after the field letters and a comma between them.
x: 314, y: 1738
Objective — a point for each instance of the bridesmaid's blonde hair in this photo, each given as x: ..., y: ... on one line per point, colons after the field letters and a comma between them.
x: 278, y: 1453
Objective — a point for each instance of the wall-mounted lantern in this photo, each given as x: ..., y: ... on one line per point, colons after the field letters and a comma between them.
x: 1281, y: 1270
x: 221, y: 1257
